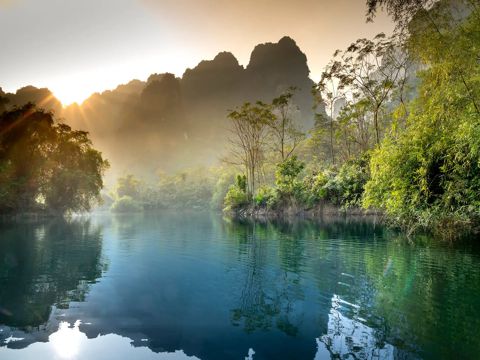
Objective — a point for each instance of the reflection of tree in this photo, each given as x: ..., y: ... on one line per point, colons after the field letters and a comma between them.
x: 43, y: 265
x: 435, y: 285
x: 268, y: 297
x: 409, y: 293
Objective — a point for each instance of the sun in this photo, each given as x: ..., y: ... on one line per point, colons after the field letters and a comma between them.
x: 71, y: 94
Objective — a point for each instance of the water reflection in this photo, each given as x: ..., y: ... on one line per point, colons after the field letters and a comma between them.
x: 68, y: 342
x: 351, y: 338
x: 46, y: 264
x: 267, y: 298
x: 196, y: 285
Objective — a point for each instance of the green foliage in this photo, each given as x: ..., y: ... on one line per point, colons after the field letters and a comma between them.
x: 250, y: 128
x: 187, y: 189
x: 348, y: 185
x: 429, y: 174
x: 128, y: 185
x: 195, y: 188
x: 225, y: 178
x: 289, y: 187
x: 286, y: 176
x: 242, y: 182
x: 46, y: 166
x: 315, y: 187
x: 343, y: 188
x: 126, y: 204
x: 267, y: 197
x: 285, y: 134
x: 235, y: 198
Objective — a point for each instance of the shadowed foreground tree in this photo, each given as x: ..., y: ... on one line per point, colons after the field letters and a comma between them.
x: 46, y: 166
x: 3, y: 101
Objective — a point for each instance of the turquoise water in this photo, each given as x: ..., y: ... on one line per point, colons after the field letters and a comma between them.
x: 196, y: 286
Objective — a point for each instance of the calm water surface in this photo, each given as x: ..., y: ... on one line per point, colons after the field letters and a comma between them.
x: 195, y: 286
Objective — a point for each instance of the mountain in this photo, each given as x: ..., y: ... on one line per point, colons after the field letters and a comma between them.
x: 167, y: 123
x: 43, y: 97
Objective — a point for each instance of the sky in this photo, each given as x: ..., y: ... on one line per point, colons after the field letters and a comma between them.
x: 77, y: 47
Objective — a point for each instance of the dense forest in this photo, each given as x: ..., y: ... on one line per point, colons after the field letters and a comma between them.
x: 392, y: 126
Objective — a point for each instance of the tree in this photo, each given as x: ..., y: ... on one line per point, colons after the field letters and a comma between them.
x: 250, y: 126
x: 354, y: 131
x: 46, y: 166
x: 432, y: 20
x: 329, y: 92
x: 130, y: 186
x: 286, y: 136
x: 3, y: 101
x: 368, y: 69
x: 428, y: 175
x: 286, y: 176
x: 401, y: 11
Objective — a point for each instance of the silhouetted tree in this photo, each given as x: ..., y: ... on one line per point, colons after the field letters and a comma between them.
x: 46, y: 166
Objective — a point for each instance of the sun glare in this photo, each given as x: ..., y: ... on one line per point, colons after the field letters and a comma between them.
x: 70, y: 95
x: 66, y: 341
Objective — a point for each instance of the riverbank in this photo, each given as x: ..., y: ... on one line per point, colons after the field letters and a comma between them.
x: 450, y: 229
x: 317, y: 212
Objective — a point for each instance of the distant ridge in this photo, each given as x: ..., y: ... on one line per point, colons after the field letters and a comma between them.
x: 175, y: 122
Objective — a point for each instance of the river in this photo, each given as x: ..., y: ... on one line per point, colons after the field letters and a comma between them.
x: 198, y: 286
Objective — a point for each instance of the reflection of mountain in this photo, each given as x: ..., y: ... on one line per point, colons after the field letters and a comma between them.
x: 168, y: 122
x: 68, y: 342
x: 38, y: 269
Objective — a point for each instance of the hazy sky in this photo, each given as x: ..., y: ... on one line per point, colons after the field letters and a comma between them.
x: 76, y: 47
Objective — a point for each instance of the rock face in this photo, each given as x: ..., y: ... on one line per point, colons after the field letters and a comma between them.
x: 273, y: 67
x: 167, y: 122
x: 161, y: 101
x: 213, y: 81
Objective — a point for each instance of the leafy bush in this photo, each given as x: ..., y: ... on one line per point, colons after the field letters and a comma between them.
x: 315, y: 187
x: 350, y: 183
x: 126, y: 204
x: 267, y: 196
x: 220, y: 190
x: 343, y: 187
x: 286, y: 176
x: 235, y: 198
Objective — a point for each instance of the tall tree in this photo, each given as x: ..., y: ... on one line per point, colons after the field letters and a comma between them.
x: 329, y: 91
x: 368, y: 69
x: 250, y: 128
x: 433, y: 20
x: 286, y: 136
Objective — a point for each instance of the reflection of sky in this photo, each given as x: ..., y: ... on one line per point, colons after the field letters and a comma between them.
x: 350, y: 338
x: 346, y: 338
x: 69, y: 343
